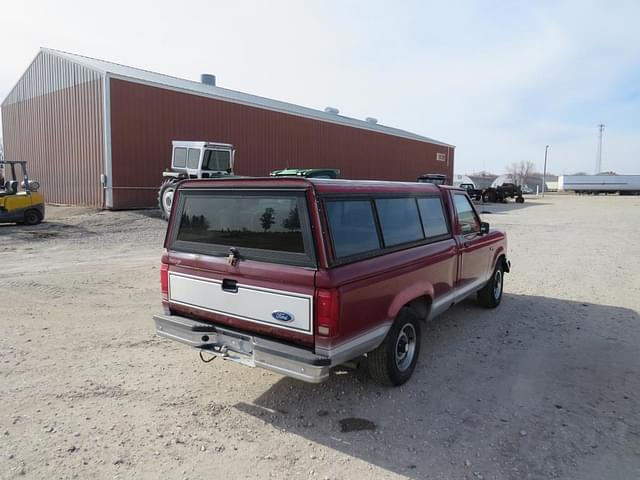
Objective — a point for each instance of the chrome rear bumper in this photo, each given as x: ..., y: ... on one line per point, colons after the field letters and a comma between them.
x: 249, y: 350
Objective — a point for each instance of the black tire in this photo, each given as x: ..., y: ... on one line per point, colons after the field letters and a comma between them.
x: 491, y: 294
x: 32, y: 217
x: 519, y: 199
x: 394, y: 361
x: 165, y: 197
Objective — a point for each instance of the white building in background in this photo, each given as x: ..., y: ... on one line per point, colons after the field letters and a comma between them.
x: 502, y: 179
x: 551, y: 186
x: 460, y: 179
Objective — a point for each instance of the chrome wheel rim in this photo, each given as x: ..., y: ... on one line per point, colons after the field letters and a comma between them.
x: 405, y: 347
x: 167, y: 199
x: 497, y: 284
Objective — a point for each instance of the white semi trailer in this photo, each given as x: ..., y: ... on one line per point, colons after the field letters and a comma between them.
x: 596, y: 184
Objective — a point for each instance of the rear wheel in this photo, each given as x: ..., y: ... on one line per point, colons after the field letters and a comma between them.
x: 520, y: 199
x: 491, y: 294
x: 32, y: 217
x: 165, y: 197
x: 394, y: 361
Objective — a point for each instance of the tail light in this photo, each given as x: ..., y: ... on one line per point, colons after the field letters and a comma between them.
x: 164, y: 281
x: 327, y: 312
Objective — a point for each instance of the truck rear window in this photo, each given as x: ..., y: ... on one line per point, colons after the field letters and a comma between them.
x: 263, y: 226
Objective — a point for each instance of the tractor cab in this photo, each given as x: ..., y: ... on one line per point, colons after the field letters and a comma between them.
x: 194, y: 160
x: 201, y: 160
x: 20, y: 201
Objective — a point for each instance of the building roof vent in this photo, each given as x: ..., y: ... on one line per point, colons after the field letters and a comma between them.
x: 208, y: 79
x: 333, y: 110
x: 371, y: 120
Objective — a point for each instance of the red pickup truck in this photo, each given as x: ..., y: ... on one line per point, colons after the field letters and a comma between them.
x: 299, y: 275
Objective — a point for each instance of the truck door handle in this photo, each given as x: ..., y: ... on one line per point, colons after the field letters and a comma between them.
x: 229, y: 285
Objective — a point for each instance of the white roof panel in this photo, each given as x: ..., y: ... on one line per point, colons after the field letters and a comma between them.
x: 165, y: 81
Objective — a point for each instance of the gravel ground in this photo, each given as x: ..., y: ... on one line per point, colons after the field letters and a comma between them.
x: 546, y: 386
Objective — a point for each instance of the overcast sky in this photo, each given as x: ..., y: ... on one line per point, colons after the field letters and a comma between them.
x: 497, y: 79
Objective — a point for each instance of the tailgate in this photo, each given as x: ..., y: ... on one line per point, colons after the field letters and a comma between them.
x: 243, y: 258
x: 236, y: 299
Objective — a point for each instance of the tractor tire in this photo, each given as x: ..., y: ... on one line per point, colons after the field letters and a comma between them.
x: 519, y: 199
x: 394, y: 361
x: 32, y: 217
x: 165, y: 197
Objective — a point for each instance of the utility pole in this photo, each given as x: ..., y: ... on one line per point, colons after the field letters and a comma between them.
x: 599, y: 157
x: 544, y: 170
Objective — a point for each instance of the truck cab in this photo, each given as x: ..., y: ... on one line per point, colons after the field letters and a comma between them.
x: 470, y: 188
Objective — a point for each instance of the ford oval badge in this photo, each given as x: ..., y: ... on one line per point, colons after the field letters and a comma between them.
x: 282, y: 316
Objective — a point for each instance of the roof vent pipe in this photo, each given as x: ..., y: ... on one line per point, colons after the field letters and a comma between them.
x: 333, y: 110
x: 371, y: 120
x: 208, y: 79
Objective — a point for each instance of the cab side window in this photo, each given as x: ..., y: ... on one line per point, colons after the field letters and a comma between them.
x: 433, y: 219
x: 467, y: 218
x: 180, y: 157
x: 194, y: 158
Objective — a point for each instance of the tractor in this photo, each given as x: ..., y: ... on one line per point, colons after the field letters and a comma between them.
x: 25, y: 206
x: 194, y: 160
x: 500, y: 193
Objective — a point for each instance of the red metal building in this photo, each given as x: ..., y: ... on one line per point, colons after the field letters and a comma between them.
x: 98, y: 133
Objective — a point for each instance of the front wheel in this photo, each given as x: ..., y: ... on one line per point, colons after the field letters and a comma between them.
x: 491, y: 294
x: 394, y: 361
x: 32, y: 217
x: 520, y: 199
x: 165, y: 197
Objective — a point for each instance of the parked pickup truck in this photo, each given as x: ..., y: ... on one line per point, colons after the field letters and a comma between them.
x: 298, y: 275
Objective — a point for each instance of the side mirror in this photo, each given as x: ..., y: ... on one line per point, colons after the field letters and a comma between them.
x: 484, y: 228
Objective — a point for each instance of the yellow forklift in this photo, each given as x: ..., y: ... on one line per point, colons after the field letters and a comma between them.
x: 19, y: 205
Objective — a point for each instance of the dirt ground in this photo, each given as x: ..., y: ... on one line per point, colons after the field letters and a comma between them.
x: 546, y: 386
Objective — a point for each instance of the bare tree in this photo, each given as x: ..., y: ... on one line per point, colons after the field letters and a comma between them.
x: 520, y: 171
